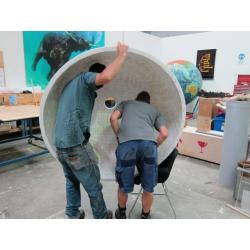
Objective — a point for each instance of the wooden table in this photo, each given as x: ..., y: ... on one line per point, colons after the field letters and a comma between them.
x: 18, y: 112
x: 25, y: 114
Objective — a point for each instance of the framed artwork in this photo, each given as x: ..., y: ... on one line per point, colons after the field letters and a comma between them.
x: 205, y: 62
x: 47, y: 51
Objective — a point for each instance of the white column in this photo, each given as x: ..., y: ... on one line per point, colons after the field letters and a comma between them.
x: 235, y: 144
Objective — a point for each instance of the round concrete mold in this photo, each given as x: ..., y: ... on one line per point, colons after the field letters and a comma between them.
x: 140, y: 72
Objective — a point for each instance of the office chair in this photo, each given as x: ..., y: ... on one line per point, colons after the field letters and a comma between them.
x: 164, y: 170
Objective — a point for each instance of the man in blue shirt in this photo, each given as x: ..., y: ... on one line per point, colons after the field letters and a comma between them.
x: 72, y: 132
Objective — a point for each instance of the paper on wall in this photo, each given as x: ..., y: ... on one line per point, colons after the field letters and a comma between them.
x: 2, y: 79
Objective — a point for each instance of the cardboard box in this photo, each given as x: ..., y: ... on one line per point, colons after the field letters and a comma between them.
x: 203, y: 123
x: 5, y: 127
x: 29, y: 98
x: 37, y: 97
x: 207, y: 110
x: 21, y: 99
x: 206, y: 147
x: 205, y: 107
x: 4, y: 99
x: 241, y: 89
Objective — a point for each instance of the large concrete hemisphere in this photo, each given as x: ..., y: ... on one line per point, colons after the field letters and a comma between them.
x: 140, y: 72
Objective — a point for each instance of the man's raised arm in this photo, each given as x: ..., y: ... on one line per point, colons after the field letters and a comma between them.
x: 113, y: 68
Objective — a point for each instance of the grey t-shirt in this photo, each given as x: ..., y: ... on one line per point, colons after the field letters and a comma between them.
x: 139, y: 121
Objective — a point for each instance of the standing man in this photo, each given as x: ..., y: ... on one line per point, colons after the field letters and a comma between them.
x: 137, y: 146
x: 72, y: 133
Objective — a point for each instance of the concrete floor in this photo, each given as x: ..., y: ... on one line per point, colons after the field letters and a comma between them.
x: 36, y: 189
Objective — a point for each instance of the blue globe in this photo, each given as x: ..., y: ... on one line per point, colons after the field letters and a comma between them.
x: 189, y: 78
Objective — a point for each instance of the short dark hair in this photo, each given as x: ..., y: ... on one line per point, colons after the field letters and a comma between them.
x: 143, y: 97
x: 97, y: 68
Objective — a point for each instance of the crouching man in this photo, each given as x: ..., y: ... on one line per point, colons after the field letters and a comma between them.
x: 137, y: 146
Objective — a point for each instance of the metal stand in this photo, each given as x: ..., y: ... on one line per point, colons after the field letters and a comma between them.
x: 26, y: 133
x: 238, y: 190
x: 165, y: 194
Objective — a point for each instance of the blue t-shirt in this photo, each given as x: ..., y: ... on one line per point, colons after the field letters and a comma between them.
x: 74, y: 111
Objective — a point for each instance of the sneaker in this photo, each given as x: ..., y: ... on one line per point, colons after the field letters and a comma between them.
x: 109, y: 214
x: 82, y: 214
x: 120, y: 214
x: 145, y: 215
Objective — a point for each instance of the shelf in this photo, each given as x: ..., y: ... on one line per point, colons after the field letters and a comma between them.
x: 16, y: 130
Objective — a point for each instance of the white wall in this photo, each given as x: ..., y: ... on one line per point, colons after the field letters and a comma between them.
x: 11, y: 43
x: 228, y: 45
x: 112, y: 37
x: 144, y: 42
x: 136, y: 40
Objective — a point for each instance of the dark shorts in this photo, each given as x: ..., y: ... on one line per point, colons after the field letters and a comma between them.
x: 142, y: 154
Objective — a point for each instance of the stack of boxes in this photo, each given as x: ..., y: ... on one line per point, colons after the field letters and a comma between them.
x: 207, y: 112
x: 243, y: 84
x: 200, y: 142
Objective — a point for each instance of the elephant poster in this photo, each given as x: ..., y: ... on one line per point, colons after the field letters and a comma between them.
x: 46, y: 51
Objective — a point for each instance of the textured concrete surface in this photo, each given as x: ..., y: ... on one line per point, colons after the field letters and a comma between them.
x: 35, y: 189
x: 139, y: 72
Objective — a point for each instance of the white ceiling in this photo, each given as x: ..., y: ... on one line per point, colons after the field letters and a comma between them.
x: 171, y: 33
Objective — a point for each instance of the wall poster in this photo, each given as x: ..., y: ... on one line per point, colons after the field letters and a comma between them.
x: 205, y: 62
x: 2, y: 78
x: 46, y: 51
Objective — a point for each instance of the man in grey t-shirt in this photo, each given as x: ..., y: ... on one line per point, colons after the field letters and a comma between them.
x: 138, y: 144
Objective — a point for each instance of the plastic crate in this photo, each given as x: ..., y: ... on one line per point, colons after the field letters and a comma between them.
x: 218, y: 123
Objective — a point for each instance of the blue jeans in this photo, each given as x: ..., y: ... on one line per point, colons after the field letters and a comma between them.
x: 80, y: 166
x: 140, y: 153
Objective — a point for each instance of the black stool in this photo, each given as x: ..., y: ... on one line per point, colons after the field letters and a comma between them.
x: 164, y: 170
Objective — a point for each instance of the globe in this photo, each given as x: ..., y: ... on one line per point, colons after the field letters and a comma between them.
x: 188, y: 76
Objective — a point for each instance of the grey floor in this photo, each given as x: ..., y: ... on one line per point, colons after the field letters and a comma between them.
x: 36, y: 189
